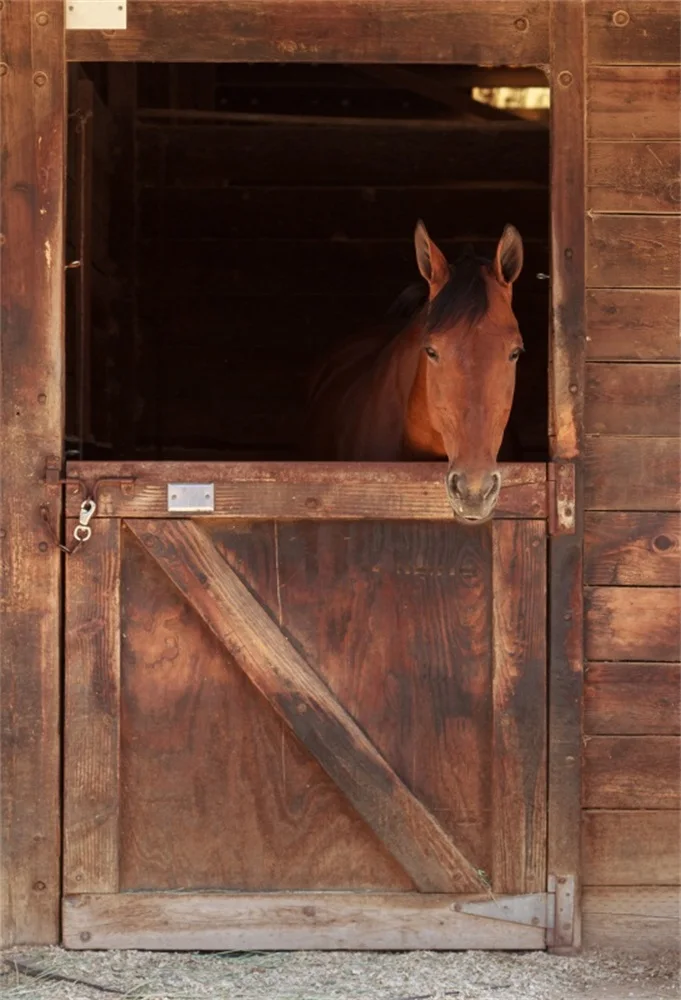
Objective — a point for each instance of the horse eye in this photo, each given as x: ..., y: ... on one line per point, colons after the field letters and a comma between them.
x: 514, y: 355
x: 432, y: 353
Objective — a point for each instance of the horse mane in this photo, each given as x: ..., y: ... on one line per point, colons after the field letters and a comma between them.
x: 463, y: 298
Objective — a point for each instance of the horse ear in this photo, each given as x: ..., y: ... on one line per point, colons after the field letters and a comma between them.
x: 508, y: 260
x: 431, y: 261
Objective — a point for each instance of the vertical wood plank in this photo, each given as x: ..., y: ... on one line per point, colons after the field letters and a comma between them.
x: 122, y: 94
x: 92, y: 712
x: 33, y: 116
x: 567, y: 52
x: 519, y: 695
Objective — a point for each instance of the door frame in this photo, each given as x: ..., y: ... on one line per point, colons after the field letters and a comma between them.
x: 36, y: 50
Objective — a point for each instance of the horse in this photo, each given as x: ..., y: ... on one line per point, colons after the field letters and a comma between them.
x: 435, y: 381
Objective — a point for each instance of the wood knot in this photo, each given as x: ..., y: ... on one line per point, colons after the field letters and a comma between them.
x: 663, y: 543
x: 312, y: 503
x: 309, y: 911
x: 621, y: 18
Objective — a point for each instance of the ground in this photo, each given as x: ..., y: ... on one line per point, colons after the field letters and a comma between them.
x: 42, y: 973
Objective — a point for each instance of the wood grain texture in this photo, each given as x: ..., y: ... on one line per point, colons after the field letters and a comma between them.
x: 567, y: 218
x: 297, y: 156
x: 418, y: 682
x: 631, y: 848
x: 633, y: 177
x: 566, y: 393
x: 273, y: 921
x: 368, y: 31
x: 632, y: 699
x: 649, y: 36
x: 631, y: 772
x: 633, y: 102
x: 403, y: 824
x: 216, y: 791
x: 317, y: 490
x: 640, y: 399
x: 92, y: 713
x: 31, y: 275
x: 633, y: 325
x: 633, y: 623
x: 633, y: 251
x: 641, y: 919
x: 519, y: 687
x: 632, y: 549
x: 629, y: 473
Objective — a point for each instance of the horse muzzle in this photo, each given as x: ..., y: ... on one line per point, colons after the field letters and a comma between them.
x: 473, y: 498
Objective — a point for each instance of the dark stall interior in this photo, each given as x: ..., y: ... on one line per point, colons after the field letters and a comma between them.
x: 227, y: 223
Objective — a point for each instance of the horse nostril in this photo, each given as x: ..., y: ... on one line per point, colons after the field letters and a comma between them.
x: 455, y: 482
x: 494, y: 485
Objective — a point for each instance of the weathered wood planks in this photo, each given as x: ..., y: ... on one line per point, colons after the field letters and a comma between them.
x: 33, y: 114
x: 506, y: 32
x: 632, y: 699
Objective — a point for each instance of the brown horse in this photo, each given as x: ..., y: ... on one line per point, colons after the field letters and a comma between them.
x: 439, y: 385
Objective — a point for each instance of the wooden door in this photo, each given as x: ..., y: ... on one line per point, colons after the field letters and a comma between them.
x: 312, y: 715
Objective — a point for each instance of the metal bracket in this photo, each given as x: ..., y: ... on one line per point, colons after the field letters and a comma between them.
x: 562, y: 498
x: 96, y: 15
x: 531, y: 909
x: 191, y: 498
x: 562, y: 895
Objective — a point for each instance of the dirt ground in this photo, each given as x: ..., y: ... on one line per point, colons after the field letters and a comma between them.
x: 42, y: 973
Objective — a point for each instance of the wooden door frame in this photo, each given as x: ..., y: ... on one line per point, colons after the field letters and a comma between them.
x: 35, y: 52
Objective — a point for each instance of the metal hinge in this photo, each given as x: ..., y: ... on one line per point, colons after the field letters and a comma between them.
x: 96, y: 15
x: 563, y: 931
x: 562, y: 498
x: 533, y: 909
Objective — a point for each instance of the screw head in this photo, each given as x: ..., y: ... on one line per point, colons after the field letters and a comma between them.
x: 39, y: 886
x: 565, y: 78
x: 42, y: 19
x: 85, y: 935
x: 521, y: 24
x: 43, y: 546
x: 621, y: 18
x: 40, y: 79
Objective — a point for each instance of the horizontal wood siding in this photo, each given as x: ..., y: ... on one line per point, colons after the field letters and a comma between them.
x: 632, y: 699
x: 632, y: 564
x: 631, y: 772
x: 631, y: 919
x: 647, y: 33
x: 505, y: 32
x: 633, y: 102
x: 633, y: 324
x: 625, y: 847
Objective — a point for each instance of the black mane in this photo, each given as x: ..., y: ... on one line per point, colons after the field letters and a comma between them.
x: 464, y: 297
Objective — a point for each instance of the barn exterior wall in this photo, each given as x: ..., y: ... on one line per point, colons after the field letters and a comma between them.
x: 630, y: 844
x: 632, y: 543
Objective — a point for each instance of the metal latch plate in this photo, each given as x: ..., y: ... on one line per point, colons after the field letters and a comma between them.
x: 191, y: 498
x: 96, y: 15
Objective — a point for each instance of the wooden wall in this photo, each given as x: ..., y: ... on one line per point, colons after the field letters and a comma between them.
x: 632, y: 536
